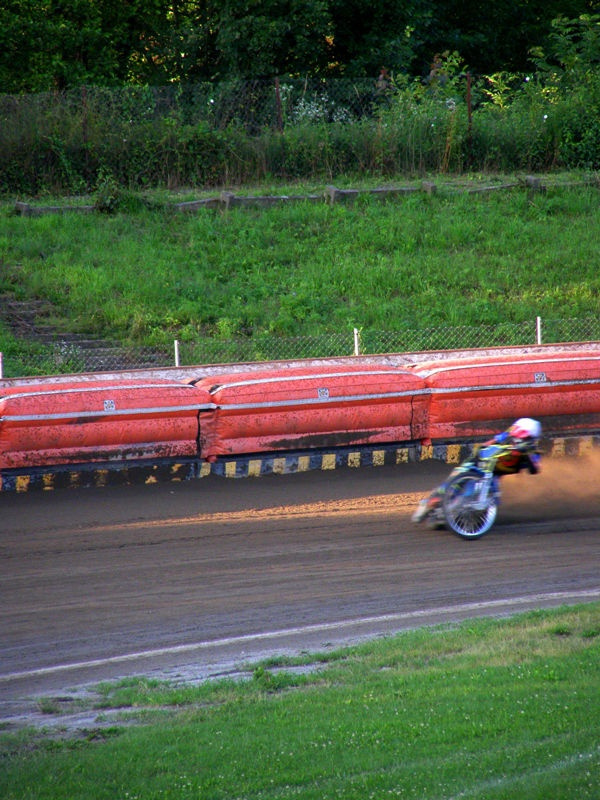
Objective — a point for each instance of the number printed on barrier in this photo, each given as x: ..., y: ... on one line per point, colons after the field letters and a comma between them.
x: 110, y: 405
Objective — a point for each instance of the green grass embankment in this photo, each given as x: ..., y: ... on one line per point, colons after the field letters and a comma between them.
x: 148, y: 276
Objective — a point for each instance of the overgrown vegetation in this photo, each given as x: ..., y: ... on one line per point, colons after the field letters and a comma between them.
x: 487, y: 709
x: 243, y: 132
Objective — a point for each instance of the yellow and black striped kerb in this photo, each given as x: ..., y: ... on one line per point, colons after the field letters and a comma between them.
x: 254, y: 466
x: 79, y: 477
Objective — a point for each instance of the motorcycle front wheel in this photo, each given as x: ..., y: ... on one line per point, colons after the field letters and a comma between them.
x: 460, y: 509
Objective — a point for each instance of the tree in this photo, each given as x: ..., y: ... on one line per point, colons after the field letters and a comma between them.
x: 371, y: 34
x: 260, y: 38
x: 496, y: 36
x: 55, y: 45
x: 179, y: 44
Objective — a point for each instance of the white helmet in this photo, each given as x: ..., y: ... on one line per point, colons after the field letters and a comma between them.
x: 525, y: 428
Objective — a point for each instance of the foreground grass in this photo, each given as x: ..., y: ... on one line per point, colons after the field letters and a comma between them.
x: 149, y: 276
x: 487, y: 709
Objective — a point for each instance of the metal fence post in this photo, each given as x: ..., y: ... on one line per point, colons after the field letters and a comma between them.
x: 279, y: 107
x: 356, y: 342
x: 176, y: 344
x: 538, y: 330
x: 1, y: 367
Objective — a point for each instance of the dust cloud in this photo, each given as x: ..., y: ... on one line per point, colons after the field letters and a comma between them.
x: 565, y: 486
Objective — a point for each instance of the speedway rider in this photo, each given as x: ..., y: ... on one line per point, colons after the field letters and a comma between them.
x: 523, y: 437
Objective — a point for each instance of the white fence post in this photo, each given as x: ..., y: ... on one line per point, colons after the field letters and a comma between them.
x: 1, y: 367
x: 176, y: 343
x: 356, y: 342
x: 538, y: 330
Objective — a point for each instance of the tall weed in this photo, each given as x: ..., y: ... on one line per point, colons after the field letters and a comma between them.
x: 60, y: 143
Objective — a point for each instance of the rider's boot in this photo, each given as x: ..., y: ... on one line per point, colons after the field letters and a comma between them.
x: 421, y: 511
x: 425, y: 507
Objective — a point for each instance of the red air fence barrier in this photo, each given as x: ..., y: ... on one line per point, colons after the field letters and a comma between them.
x: 291, y: 409
x: 83, y: 422
x: 279, y: 409
x: 481, y: 396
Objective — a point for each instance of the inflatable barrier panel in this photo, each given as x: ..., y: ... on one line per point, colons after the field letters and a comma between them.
x: 291, y: 409
x: 480, y: 396
x: 82, y: 422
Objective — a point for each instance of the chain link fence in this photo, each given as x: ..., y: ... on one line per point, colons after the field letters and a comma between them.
x: 66, y: 358
x: 195, y: 134
x: 251, y: 104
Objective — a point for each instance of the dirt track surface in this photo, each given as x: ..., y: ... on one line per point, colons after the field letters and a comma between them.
x: 187, y: 580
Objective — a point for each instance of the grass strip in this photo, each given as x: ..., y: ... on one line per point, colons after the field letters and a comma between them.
x: 488, y: 709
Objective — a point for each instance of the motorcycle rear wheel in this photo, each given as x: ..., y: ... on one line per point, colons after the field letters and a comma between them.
x: 462, y: 517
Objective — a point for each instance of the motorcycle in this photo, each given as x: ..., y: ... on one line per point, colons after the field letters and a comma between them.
x: 467, y: 502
